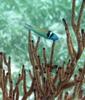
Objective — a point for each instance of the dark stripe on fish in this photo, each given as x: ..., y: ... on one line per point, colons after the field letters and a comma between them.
x: 48, y: 34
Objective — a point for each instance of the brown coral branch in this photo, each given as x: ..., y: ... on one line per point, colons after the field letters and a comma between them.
x: 30, y: 73
x: 24, y: 80
x: 37, y: 44
x: 1, y: 68
x: 11, y: 90
x: 17, y: 93
x: 44, y: 56
x: 76, y: 28
x: 28, y: 93
x: 79, y: 81
x: 73, y: 15
x: 80, y: 16
x: 70, y: 68
x: 64, y: 85
x: 79, y: 37
x: 34, y: 54
x: 71, y: 49
x: 83, y: 37
x: 30, y: 49
x: 4, y: 90
x: 9, y: 68
x: 52, y: 52
x: 56, y: 77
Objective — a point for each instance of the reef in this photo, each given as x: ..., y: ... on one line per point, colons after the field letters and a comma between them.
x: 46, y: 86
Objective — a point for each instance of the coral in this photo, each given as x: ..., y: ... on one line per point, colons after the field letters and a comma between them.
x: 44, y: 85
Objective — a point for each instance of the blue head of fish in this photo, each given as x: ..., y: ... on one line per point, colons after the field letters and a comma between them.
x: 52, y: 36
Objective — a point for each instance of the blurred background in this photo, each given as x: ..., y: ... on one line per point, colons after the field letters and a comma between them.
x: 41, y: 13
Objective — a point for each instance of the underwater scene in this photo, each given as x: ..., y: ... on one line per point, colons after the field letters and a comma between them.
x: 42, y: 49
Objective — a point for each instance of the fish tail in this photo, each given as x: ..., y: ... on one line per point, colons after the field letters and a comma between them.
x: 29, y: 27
